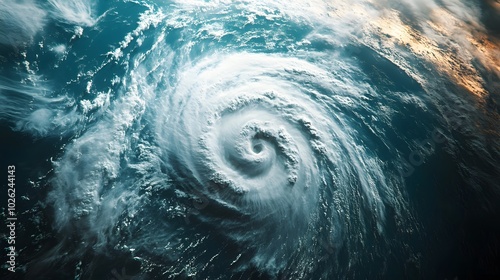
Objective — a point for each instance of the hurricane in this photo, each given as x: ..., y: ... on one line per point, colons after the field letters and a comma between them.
x: 252, y: 139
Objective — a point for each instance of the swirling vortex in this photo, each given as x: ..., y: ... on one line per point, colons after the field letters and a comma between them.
x: 266, y: 140
x: 258, y: 134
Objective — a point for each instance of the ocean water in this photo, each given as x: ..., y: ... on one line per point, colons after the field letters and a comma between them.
x: 252, y: 139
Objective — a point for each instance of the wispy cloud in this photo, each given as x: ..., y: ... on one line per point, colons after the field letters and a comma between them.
x: 20, y: 21
x: 74, y: 12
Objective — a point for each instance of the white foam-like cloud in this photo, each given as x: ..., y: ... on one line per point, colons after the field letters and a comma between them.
x: 269, y: 128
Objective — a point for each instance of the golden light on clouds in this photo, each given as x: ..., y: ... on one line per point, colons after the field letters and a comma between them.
x: 454, y: 46
x: 488, y: 51
x: 495, y: 4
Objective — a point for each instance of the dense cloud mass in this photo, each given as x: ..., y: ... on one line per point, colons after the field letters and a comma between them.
x: 265, y: 139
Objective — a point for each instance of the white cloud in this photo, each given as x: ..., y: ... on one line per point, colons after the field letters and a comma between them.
x: 19, y: 21
x: 74, y: 12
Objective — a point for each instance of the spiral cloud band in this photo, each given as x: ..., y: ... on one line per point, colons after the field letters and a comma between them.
x: 245, y: 139
x: 255, y: 132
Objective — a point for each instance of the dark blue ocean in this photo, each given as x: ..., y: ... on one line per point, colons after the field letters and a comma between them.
x: 250, y: 139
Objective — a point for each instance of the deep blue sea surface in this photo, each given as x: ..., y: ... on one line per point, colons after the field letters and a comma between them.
x: 251, y: 139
